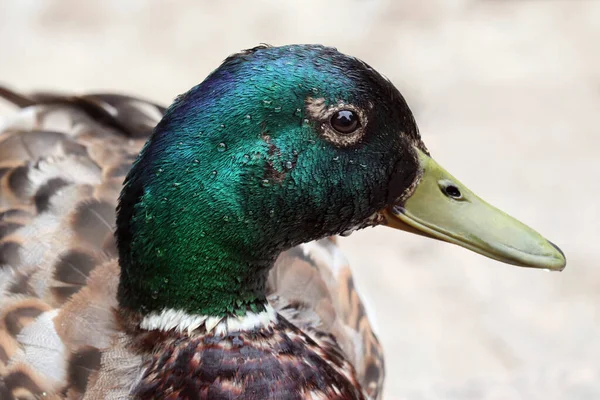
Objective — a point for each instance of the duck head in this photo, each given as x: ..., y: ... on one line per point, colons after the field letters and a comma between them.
x: 279, y: 146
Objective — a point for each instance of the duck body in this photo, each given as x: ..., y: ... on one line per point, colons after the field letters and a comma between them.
x: 63, y: 160
x: 207, y: 268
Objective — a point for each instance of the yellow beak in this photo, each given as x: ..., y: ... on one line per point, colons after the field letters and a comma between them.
x: 443, y: 208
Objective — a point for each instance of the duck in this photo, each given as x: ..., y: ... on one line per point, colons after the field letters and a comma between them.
x: 190, y: 251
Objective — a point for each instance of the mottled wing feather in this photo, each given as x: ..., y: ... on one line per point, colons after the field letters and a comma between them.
x: 62, y: 163
x: 312, y: 286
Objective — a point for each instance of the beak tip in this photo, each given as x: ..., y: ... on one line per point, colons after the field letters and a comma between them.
x: 558, y: 249
x: 561, y: 258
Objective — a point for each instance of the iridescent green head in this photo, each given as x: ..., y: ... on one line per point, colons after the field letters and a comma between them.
x: 278, y: 146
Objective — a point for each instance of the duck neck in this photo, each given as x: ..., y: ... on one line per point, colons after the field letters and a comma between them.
x: 202, y: 278
x: 177, y: 255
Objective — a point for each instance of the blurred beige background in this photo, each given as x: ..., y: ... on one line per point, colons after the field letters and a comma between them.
x: 507, y: 94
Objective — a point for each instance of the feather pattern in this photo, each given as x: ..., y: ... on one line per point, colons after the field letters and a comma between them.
x: 63, y: 159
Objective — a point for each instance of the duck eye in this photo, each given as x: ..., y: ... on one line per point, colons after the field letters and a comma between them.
x: 344, y: 121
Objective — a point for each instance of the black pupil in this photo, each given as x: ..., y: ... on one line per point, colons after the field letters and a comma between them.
x: 452, y: 191
x: 344, y: 121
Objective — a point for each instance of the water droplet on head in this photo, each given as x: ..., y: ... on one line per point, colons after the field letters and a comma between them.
x: 248, y: 116
x: 155, y: 294
x: 265, y: 183
x: 306, y: 121
x: 267, y: 102
x: 298, y: 112
x: 159, y: 252
x: 271, y: 213
x: 214, y: 174
x: 176, y: 184
x: 221, y: 127
x: 288, y: 165
x: 245, y: 159
x: 196, y: 161
x: 166, y: 280
x: 221, y: 147
x: 277, y: 109
x: 336, y: 158
x: 226, y: 218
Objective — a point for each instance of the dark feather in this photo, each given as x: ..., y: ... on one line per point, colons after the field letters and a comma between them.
x: 18, y: 181
x: 46, y: 191
x: 16, y: 317
x: 83, y: 363
x: 93, y: 221
x: 9, y: 252
x: 71, y: 272
x: 6, y: 228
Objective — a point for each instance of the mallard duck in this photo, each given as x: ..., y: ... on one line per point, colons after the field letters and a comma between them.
x: 214, y: 273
